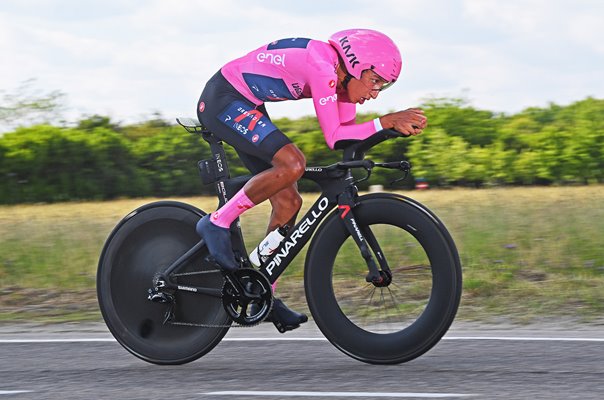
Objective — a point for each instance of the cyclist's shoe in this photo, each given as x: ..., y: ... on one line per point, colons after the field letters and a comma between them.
x: 284, y: 318
x: 218, y: 240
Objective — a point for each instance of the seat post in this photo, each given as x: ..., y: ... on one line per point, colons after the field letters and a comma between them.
x: 218, y: 154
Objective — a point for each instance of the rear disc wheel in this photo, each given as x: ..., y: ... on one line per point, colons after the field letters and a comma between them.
x: 143, y: 244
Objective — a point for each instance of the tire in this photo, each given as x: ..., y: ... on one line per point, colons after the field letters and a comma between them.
x: 393, y: 324
x: 142, y: 244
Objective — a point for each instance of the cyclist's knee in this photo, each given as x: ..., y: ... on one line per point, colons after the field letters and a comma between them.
x: 290, y: 159
x: 299, y: 167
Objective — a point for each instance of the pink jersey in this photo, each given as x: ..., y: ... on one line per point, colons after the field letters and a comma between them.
x: 293, y: 69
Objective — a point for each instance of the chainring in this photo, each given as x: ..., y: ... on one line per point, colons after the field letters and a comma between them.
x: 247, y: 296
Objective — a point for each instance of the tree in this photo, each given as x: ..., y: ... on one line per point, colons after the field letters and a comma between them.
x: 26, y: 107
x: 46, y: 163
x: 439, y: 157
x: 98, y: 121
x: 457, y: 118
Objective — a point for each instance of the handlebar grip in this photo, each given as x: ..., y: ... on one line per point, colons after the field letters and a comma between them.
x: 392, y: 164
x: 356, y: 151
x: 401, y: 165
x: 367, y: 164
x: 391, y: 132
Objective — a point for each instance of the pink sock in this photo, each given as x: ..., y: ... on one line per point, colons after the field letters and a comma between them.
x: 274, y: 286
x: 236, y: 206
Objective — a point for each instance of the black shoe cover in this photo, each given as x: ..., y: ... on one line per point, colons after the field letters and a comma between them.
x: 284, y: 318
x: 218, y: 240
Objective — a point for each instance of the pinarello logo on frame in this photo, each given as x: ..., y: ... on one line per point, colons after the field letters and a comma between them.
x: 202, y: 106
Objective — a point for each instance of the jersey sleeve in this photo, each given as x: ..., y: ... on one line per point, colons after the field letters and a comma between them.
x: 337, y: 119
x: 347, y: 113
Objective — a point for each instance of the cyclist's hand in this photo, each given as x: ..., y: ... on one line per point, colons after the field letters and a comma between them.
x: 408, y: 122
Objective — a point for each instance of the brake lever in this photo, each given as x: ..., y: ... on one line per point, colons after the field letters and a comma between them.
x: 405, y: 167
x: 400, y: 179
x: 369, y: 170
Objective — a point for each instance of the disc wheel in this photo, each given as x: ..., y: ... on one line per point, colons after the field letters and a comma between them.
x: 144, y: 243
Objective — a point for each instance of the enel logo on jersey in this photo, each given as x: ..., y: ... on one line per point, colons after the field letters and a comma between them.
x: 277, y: 59
x: 329, y: 99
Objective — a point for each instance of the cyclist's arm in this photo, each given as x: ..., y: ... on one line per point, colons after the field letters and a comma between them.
x: 337, y: 120
x: 348, y: 115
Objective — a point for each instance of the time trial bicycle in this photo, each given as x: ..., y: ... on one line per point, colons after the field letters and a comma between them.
x: 382, y: 274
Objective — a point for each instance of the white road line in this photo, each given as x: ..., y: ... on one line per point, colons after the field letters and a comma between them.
x: 526, y: 338
x: 337, y: 394
x: 317, y: 339
x: 67, y: 340
x: 14, y: 391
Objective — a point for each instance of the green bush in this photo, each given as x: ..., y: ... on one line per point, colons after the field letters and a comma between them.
x: 462, y: 146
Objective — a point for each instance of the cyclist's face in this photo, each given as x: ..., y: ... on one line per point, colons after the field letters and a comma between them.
x: 366, y: 88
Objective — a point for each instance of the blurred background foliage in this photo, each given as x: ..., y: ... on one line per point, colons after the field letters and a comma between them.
x: 98, y: 159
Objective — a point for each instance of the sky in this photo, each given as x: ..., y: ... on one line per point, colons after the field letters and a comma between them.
x: 129, y: 59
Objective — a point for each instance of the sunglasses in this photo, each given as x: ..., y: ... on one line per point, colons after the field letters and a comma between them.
x: 374, y: 82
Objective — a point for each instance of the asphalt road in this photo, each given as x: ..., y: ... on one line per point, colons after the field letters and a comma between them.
x: 83, y: 362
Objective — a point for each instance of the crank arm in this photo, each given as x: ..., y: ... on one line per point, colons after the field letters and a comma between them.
x: 240, y: 289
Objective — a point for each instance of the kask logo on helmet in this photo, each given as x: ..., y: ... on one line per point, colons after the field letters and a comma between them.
x: 352, y: 58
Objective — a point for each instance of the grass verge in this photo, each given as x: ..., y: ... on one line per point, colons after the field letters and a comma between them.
x: 527, y: 253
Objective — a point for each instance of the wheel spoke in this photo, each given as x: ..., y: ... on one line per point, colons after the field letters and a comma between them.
x: 357, y: 316
x: 402, y: 300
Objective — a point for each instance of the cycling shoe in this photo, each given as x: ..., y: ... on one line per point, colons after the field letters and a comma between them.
x: 285, y: 319
x: 218, y: 240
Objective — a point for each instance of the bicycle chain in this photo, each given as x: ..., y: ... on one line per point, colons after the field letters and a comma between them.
x: 199, y: 325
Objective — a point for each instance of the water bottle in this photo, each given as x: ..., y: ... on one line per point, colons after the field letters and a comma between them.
x: 268, y: 245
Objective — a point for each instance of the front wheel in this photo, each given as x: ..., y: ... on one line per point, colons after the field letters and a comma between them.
x: 398, y: 320
x: 144, y: 243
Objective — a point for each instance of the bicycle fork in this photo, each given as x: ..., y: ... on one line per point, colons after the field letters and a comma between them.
x: 365, y: 240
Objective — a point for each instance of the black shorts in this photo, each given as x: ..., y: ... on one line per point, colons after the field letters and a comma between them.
x: 240, y: 123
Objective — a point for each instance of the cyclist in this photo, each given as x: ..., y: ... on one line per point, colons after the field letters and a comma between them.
x: 351, y: 68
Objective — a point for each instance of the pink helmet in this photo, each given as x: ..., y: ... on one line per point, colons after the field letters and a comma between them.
x: 363, y: 49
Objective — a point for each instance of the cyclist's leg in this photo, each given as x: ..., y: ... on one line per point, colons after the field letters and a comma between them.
x: 268, y: 153
x: 247, y: 128
x: 285, y: 204
x: 240, y: 123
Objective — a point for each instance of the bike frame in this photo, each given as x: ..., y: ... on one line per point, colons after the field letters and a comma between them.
x: 337, y: 189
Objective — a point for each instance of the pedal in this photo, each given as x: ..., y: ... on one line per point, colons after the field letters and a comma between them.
x: 284, y: 328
